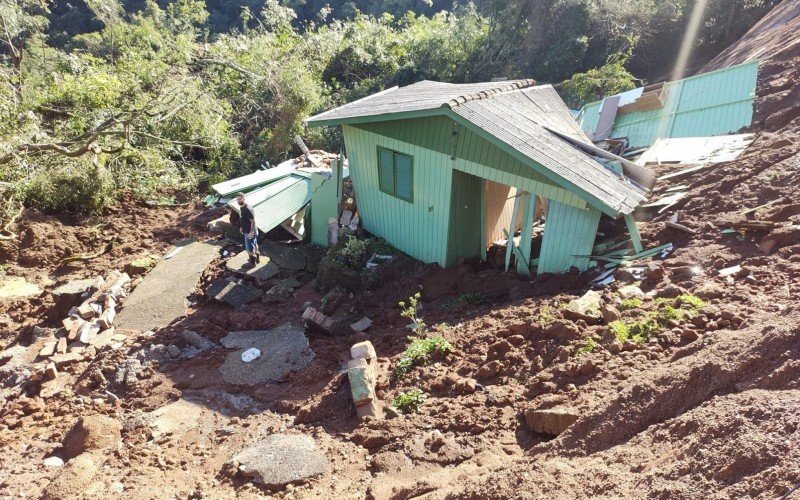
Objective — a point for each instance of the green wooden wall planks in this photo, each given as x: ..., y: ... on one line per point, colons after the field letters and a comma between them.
x: 419, y: 229
x: 568, y: 231
x: 464, y: 238
x: 324, y: 204
x: 714, y: 103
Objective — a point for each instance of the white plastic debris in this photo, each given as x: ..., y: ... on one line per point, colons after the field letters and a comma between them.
x: 250, y: 354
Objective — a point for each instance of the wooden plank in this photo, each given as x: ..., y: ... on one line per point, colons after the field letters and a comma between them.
x: 526, y: 233
x: 684, y: 171
x: 510, y: 233
x: 751, y: 210
x: 636, y: 239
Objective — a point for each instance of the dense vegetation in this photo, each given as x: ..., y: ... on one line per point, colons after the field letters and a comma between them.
x: 98, y: 96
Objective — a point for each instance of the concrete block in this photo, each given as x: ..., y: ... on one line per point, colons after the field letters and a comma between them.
x: 370, y: 409
x: 362, y: 384
x: 363, y: 350
x: 316, y: 319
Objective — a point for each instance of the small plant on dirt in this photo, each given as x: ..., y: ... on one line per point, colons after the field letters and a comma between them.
x: 587, y: 348
x: 640, y: 331
x: 420, y: 352
x: 632, y: 303
x: 353, y: 251
x: 411, y: 311
x: 547, y: 315
x: 620, y: 330
x: 409, y: 401
x: 692, y: 301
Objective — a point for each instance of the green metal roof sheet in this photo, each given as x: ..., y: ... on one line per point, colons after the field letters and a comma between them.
x: 715, y: 103
x: 255, y: 179
x: 276, y: 202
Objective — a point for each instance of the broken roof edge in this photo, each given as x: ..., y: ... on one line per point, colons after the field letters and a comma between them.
x: 685, y: 79
x: 612, y: 211
x: 639, y: 174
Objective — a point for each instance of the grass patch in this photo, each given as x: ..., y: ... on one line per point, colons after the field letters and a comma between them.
x: 587, y: 348
x: 632, y: 303
x: 420, y: 352
x: 409, y: 401
x: 638, y: 331
x: 692, y: 301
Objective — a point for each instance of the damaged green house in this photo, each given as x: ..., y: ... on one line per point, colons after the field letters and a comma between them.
x: 443, y: 170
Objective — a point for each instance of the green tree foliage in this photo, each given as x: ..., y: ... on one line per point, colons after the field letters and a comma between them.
x: 149, y: 96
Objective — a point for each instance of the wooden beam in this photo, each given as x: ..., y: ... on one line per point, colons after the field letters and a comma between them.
x: 634, y: 232
x: 510, y: 232
x: 526, y: 234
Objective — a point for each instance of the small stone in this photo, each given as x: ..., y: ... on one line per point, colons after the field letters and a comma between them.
x: 361, y: 325
x: 61, y: 347
x: 48, y: 350
x: 631, y: 292
x: 51, y: 372
x: 53, y: 462
x: 391, y: 412
x: 586, y: 307
x: 610, y: 313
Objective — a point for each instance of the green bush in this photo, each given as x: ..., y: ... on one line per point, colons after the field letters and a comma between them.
x: 354, y: 250
x: 409, y: 401
x: 420, y: 352
x: 77, y: 187
x: 692, y: 301
x: 467, y: 299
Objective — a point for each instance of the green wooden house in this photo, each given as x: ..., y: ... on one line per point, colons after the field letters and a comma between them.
x: 442, y: 170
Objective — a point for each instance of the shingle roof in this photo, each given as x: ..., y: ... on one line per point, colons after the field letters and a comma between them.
x: 517, y: 113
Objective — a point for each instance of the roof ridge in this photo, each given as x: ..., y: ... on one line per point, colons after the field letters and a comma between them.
x: 485, y: 94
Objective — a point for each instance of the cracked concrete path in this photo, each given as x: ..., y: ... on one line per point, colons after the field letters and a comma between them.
x: 160, y: 298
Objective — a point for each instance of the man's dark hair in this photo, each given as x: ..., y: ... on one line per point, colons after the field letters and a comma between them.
x: 240, y: 194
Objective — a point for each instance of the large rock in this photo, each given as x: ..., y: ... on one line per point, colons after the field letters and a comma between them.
x: 283, y: 350
x: 586, y: 307
x: 74, y: 479
x: 14, y: 288
x: 279, y: 460
x: 92, y: 433
x: 552, y: 421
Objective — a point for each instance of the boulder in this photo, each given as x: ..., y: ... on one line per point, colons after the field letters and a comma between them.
x: 610, y: 313
x: 280, y: 460
x: 586, y: 307
x: 92, y: 433
x: 74, y: 479
x: 552, y: 421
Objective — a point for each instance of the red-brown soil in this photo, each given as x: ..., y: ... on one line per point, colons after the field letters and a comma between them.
x: 708, y: 407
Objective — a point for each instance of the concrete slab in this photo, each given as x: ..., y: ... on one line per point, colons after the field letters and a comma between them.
x: 281, y: 459
x: 236, y: 294
x: 283, y: 350
x: 285, y: 256
x: 14, y: 288
x: 161, y: 297
x: 263, y: 271
x: 174, y: 419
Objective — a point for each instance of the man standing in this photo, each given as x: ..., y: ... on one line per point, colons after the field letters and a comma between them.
x: 248, y: 229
